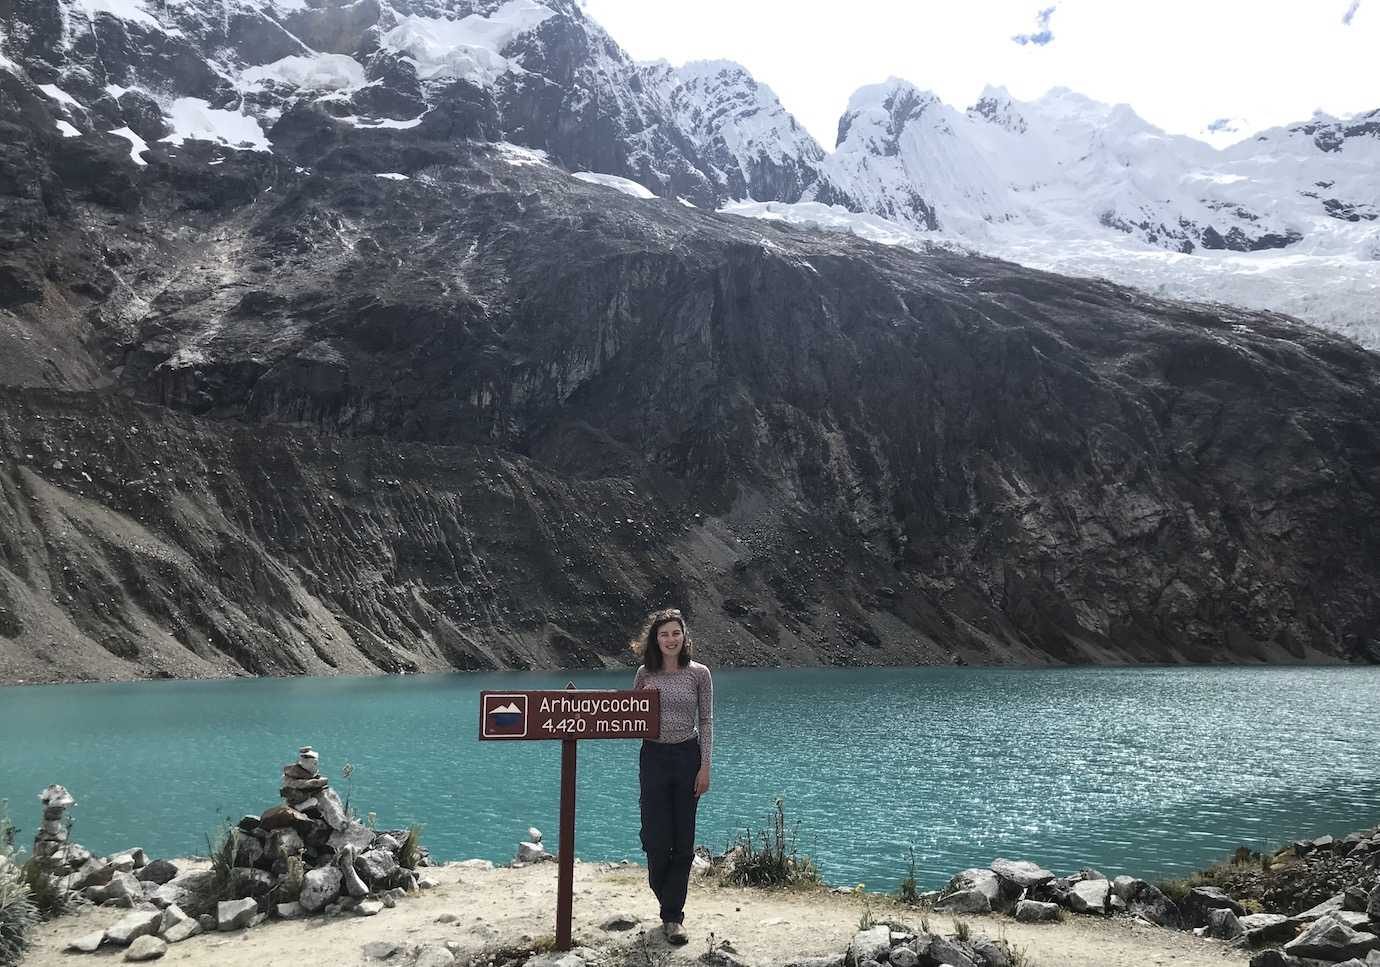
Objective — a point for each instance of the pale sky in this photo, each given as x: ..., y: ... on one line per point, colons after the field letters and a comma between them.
x: 1180, y: 63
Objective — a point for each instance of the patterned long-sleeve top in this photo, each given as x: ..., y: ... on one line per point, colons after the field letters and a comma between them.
x: 687, y: 704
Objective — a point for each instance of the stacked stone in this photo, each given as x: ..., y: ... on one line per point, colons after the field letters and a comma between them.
x: 345, y: 864
x: 50, y: 842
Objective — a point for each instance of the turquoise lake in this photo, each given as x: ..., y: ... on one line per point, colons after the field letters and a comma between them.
x: 1140, y: 770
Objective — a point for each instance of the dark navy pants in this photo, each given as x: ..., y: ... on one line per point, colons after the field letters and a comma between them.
x: 666, y: 776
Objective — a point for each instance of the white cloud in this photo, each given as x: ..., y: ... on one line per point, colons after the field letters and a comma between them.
x: 1180, y: 63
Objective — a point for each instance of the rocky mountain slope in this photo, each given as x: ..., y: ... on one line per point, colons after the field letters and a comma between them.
x: 347, y: 382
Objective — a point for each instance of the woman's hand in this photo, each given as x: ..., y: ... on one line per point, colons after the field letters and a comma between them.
x: 702, y: 781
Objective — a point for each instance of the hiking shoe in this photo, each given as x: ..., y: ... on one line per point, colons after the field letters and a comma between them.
x: 675, y: 933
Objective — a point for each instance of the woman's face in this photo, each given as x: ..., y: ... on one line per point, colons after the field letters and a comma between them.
x: 670, y: 638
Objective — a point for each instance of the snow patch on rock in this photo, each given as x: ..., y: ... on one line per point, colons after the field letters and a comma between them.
x: 59, y: 95
x: 137, y: 145
x: 68, y: 131
x: 320, y: 72
x: 625, y: 185
x: 516, y: 154
x: 194, y: 118
x: 466, y: 49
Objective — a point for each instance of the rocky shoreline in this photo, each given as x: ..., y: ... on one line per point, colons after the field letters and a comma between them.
x: 308, y: 856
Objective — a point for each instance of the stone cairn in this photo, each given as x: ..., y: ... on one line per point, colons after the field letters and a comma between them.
x: 532, y: 850
x: 50, y: 842
x: 305, y: 855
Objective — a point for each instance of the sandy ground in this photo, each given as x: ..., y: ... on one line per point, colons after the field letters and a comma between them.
x: 516, y: 907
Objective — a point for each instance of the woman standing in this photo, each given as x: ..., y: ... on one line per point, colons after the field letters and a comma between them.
x: 673, y: 770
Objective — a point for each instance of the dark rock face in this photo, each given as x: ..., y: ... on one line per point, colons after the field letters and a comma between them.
x: 269, y: 413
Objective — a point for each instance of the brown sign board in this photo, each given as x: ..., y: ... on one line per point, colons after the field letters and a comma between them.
x: 569, y: 714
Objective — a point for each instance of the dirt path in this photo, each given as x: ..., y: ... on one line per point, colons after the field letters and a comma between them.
x: 509, y: 908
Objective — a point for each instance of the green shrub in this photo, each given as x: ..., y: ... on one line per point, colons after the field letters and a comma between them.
x: 410, y: 851
x: 771, y: 858
x: 220, y: 846
x: 18, y: 914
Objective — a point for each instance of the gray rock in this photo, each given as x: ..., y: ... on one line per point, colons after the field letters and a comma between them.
x: 146, y: 948
x: 247, y: 882
x: 1090, y: 896
x: 945, y: 951
x: 873, y: 944
x: 247, y: 849
x: 191, y: 891
x: 434, y: 957
x: 481, y: 865
x: 1273, y: 958
x: 319, y: 888
x: 289, y: 911
x: 381, y: 950
x: 533, y: 834
x: 1332, y: 940
x: 369, y: 908
x: 1266, y: 928
x: 350, y: 881
x: 837, y: 960
x: 1201, y: 899
x: 965, y: 901
x: 86, y: 943
x: 129, y: 928
x: 555, y: 959
x: 136, y: 858
x: 532, y: 853
x: 332, y: 810
x: 1127, y: 887
x: 1152, y: 905
x: 182, y: 931
x: 619, y: 921
x: 1033, y: 911
x: 1354, y: 920
x: 96, y: 871
x: 207, y: 922
x: 122, y: 886
x: 990, y: 954
x: 1223, y: 925
x: 904, y: 957
x: 983, y: 881
x: 176, y: 926
x: 1022, y: 873
x: 1332, y: 904
x: 354, y: 834
x: 376, y: 866
x: 236, y: 914
x: 159, y: 872
x: 284, y: 842
x: 1373, y: 903
x: 385, y: 841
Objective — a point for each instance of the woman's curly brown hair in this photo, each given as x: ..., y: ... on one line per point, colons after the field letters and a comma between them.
x: 644, y: 645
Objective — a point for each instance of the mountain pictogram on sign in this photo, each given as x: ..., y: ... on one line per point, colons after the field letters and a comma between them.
x: 505, y: 715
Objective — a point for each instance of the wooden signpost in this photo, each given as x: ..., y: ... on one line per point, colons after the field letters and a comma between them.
x: 569, y: 716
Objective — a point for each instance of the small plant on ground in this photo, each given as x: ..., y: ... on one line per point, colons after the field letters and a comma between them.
x: 962, y: 930
x: 347, y: 772
x: 908, y: 891
x: 1015, y: 956
x: 220, y: 846
x: 411, y: 851
x: 772, y: 856
x: 867, y: 921
x: 18, y: 915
